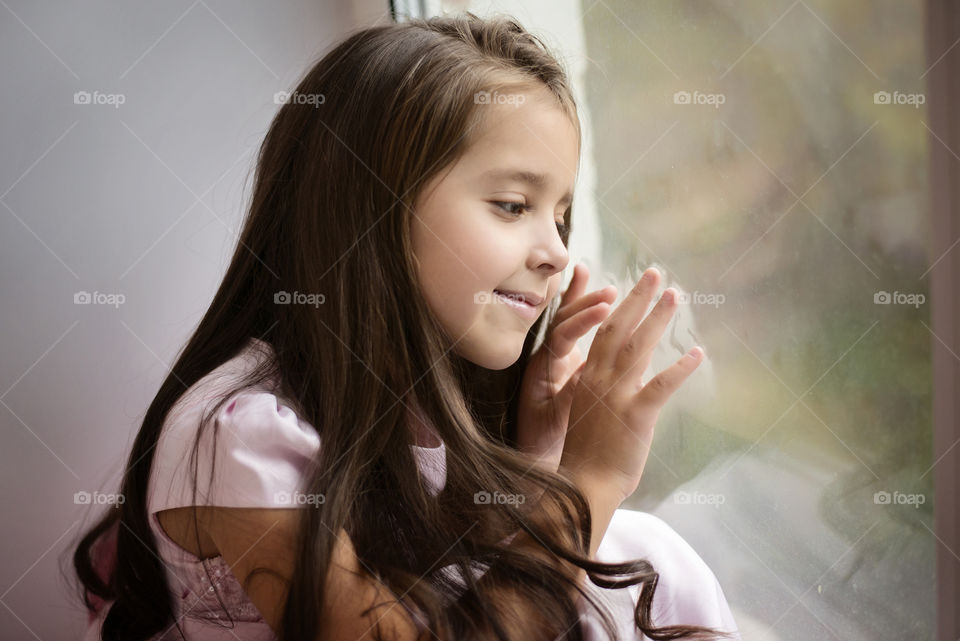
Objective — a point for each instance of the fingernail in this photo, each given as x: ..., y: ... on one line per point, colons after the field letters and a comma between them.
x: 695, y: 353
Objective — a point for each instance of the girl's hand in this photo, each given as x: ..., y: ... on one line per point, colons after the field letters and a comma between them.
x: 613, y: 412
x: 546, y: 391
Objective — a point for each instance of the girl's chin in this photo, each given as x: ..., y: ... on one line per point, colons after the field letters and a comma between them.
x: 499, y: 358
x: 495, y: 355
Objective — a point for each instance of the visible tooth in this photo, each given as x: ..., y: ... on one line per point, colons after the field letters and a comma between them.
x: 516, y: 299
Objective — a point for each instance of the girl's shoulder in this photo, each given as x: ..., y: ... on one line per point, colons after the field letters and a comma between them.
x: 211, y: 387
x: 252, y: 453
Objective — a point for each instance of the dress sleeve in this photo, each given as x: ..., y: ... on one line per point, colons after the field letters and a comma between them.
x: 688, y: 591
x: 257, y: 446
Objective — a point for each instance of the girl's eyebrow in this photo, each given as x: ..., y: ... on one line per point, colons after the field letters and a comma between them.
x: 539, y: 181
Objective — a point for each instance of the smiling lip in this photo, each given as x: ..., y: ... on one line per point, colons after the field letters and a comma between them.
x: 520, y: 302
x: 525, y: 297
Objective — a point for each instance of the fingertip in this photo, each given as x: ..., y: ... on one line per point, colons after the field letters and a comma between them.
x: 576, y: 274
x: 695, y: 354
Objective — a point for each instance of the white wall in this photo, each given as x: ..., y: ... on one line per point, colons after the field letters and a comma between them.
x: 141, y: 200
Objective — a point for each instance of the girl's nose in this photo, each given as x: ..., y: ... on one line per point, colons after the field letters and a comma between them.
x: 549, y: 255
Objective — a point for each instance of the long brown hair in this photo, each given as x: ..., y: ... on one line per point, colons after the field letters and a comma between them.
x: 336, y: 181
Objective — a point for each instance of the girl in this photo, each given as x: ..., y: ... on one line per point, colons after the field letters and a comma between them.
x: 359, y: 441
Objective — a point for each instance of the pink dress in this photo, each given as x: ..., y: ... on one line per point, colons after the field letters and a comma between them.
x: 261, y: 451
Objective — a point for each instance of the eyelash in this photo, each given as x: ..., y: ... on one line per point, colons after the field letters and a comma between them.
x: 562, y: 228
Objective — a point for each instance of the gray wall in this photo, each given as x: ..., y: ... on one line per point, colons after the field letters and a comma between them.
x: 137, y: 202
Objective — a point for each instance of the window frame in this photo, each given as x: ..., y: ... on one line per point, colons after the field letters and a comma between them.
x: 943, y: 63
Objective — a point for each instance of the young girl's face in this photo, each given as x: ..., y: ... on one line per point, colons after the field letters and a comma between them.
x: 471, y: 237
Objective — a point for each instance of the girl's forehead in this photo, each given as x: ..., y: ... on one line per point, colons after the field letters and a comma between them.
x: 536, y: 132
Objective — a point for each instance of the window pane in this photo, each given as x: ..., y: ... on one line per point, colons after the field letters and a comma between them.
x: 744, y: 147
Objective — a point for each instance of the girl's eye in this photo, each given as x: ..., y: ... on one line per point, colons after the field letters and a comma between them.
x: 562, y: 228
x: 501, y: 204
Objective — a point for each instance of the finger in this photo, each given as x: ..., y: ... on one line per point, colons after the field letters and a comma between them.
x: 617, y: 328
x: 606, y: 295
x: 565, y: 335
x: 578, y: 283
x: 656, y: 392
x: 637, y: 352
